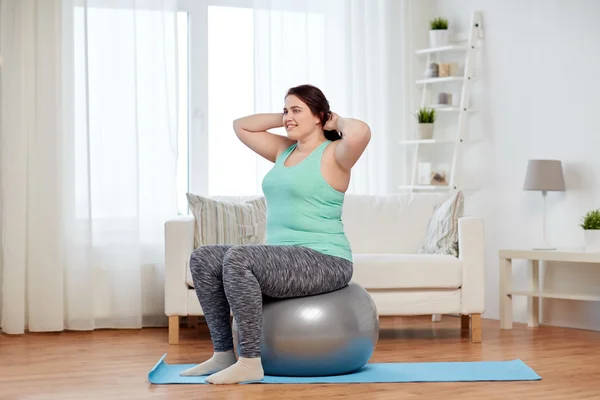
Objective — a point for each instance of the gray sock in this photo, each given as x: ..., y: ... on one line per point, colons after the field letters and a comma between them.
x: 219, y: 361
x: 245, y: 370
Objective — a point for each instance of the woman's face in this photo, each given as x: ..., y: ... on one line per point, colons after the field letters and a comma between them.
x: 298, y: 119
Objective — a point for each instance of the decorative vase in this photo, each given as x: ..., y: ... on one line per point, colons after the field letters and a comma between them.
x: 439, y: 37
x: 592, y: 239
x: 425, y: 130
x: 432, y: 71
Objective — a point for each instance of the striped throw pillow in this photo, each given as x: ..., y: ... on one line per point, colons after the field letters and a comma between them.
x: 228, y: 222
x: 442, y: 232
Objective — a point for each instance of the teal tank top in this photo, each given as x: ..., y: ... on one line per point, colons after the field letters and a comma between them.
x: 302, y: 208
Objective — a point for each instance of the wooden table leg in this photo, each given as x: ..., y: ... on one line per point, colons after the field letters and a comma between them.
x: 506, y: 319
x: 533, y: 303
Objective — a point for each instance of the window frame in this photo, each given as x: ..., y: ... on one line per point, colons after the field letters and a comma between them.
x: 198, y: 145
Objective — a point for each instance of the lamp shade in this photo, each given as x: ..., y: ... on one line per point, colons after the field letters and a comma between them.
x: 544, y: 175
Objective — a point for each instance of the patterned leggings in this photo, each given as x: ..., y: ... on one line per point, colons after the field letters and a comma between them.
x: 236, y: 277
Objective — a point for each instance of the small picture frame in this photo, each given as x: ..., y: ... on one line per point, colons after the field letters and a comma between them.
x: 439, y: 175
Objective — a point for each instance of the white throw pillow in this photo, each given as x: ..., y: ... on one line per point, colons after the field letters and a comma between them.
x: 228, y: 222
x: 442, y: 232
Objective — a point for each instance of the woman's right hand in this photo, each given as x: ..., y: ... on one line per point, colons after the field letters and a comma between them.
x: 331, y: 124
x: 259, y: 122
x: 252, y: 130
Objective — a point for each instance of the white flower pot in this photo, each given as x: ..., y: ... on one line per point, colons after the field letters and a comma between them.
x: 592, y: 239
x: 425, y: 131
x: 439, y: 37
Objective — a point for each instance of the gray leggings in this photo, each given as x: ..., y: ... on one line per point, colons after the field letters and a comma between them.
x: 238, y: 276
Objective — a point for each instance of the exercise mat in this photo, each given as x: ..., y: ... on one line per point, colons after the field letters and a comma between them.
x: 452, y: 371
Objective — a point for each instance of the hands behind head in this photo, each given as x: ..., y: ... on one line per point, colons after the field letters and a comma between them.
x: 331, y: 124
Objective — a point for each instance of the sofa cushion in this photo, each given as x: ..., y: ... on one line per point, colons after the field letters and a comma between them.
x: 398, y: 271
x: 404, y: 271
x: 442, y: 232
x: 394, y: 224
x: 230, y: 221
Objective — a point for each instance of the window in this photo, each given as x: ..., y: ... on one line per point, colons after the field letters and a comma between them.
x: 127, y: 80
x: 212, y: 160
x: 124, y: 95
x: 222, y: 79
x: 219, y: 49
x: 231, y: 165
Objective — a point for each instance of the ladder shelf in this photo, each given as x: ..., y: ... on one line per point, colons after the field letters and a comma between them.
x: 459, y: 111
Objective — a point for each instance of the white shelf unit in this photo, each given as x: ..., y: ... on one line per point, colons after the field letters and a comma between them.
x: 459, y: 113
x: 427, y: 141
x: 424, y: 187
x: 443, y: 79
x: 448, y: 48
x: 448, y: 108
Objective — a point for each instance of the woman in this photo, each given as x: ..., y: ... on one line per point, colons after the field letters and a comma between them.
x: 306, y: 250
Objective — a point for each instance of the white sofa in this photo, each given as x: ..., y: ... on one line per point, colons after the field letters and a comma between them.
x: 386, y: 234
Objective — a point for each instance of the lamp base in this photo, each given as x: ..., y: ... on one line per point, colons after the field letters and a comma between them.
x: 545, y: 245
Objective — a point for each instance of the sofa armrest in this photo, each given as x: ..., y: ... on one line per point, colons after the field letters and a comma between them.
x: 179, y: 244
x: 471, y: 252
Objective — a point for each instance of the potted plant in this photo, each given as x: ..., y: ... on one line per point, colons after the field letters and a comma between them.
x: 426, y: 118
x: 591, y: 230
x: 438, y: 33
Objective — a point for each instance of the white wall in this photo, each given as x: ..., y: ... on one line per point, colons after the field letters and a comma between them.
x: 540, y: 94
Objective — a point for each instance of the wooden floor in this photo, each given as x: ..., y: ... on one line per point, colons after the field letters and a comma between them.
x: 114, y: 364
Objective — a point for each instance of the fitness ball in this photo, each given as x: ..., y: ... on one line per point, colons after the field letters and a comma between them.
x: 328, y: 334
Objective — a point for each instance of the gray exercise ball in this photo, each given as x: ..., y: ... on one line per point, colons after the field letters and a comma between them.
x: 322, y: 335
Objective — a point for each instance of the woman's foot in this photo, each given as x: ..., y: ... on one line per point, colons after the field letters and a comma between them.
x: 218, y: 362
x: 245, y: 370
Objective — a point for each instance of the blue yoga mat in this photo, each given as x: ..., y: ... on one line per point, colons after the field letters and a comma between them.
x: 514, y: 370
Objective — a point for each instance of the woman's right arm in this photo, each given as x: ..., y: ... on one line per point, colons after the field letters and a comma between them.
x: 252, y: 131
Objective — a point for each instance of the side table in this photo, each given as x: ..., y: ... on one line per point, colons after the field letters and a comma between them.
x: 535, y: 294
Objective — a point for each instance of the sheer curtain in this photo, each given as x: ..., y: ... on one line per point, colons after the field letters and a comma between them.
x: 357, y: 52
x: 89, y: 159
x: 32, y: 284
x: 89, y: 137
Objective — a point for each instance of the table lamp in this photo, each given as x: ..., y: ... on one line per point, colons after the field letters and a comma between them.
x: 545, y: 176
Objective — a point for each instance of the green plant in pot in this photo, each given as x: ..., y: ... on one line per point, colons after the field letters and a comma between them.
x: 426, y: 118
x: 590, y: 223
x: 439, y: 35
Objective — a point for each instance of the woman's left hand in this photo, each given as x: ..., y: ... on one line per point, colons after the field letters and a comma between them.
x: 331, y: 124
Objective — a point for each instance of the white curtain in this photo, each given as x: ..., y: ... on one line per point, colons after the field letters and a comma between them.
x: 357, y: 52
x: 89, y: 137
x: 89, y: 158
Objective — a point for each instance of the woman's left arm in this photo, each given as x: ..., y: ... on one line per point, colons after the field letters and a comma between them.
x: 356, y: 135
